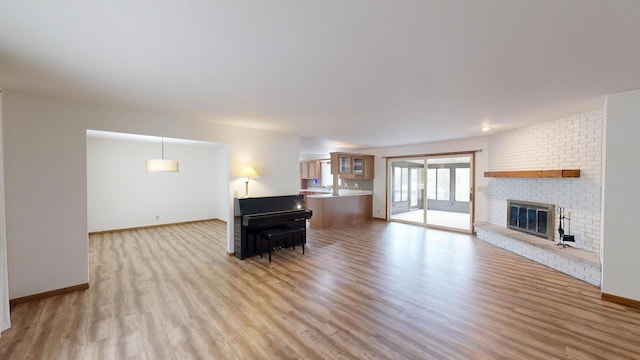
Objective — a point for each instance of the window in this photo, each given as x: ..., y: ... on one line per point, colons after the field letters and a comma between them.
x: 400, y: 184
x: 326, y: 179
x: 431, y: 184
x: 442, y: 184
x: 405, y: 184
x: 463, y: 184
x: 416, y: 185
x: 438, y: 184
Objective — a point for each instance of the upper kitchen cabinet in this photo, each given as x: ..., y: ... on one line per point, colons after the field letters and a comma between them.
x: 352, y: 166
x: 368, y: 167
x: 340, y: 163
x: 344, y: 164
x: 309, y: 169
x: 357, y: 163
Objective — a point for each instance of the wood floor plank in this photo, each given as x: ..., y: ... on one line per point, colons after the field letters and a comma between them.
x: 373, y: 291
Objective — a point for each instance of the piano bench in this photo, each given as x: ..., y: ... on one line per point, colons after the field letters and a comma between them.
x: 274, y: 236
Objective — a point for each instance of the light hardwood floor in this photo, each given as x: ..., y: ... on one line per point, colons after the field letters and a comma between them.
x: 379, y: 291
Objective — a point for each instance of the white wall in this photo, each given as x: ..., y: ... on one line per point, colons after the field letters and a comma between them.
x: 621, y: 244
x: 222, y: 181
x: 574, y: 142
x: 121, y: 194
x: 379, y: 185
x: 46, y: 185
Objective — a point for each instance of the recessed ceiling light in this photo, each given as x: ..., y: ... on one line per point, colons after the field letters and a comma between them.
x: 486, y: 128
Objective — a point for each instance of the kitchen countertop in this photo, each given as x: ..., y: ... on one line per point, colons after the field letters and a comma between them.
x: 317, y: 190
x: 342, y: 193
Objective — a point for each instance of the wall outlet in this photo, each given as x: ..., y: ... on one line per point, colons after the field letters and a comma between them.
x: 157, y: 217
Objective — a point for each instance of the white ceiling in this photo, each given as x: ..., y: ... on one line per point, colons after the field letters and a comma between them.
x: 366, y: 73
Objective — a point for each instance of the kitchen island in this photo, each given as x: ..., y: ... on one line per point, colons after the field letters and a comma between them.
x: 349, y: 207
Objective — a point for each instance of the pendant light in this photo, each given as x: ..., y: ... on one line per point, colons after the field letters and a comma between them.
x: 162, y: 165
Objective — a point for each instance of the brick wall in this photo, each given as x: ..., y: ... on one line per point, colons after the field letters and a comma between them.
x: 574, y: 142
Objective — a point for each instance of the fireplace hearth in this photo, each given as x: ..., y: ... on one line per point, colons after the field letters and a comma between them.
x: 531, y: 218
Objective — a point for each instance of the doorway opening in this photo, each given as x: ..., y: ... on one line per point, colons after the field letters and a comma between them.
x: 442, y: 185
x: 121, y: 194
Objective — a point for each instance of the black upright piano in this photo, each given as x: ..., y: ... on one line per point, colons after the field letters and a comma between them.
x: 254, y: 215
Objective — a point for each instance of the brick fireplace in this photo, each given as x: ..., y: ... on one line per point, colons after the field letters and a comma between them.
x: 574, y: 142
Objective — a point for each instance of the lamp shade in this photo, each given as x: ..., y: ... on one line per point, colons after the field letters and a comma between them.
x: 249, y: 172
x: 162, y: 165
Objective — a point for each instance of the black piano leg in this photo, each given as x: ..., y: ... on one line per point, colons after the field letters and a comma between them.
x: 302, y: 237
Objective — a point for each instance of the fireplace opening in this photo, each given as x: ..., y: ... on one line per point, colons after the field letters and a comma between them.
x: 531, y: 218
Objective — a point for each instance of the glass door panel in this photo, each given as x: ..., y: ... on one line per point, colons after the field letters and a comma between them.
x: 344, y: 164
x: 449, y: 189
x: 358, y: 163
x: 407, y: 195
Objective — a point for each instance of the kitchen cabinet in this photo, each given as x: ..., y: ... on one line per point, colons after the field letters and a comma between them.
x: 330, y: 211
x: 341, y: 164
x: 368, y: 167
x: 357, y: 162
x: 344, y: 164
x: 309, y: 169
x: 352, y: 166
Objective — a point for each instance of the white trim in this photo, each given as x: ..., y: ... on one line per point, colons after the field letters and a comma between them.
x: 5, y: 320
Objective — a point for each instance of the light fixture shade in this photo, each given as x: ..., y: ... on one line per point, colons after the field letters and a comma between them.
x: 162, y: 165
x: 249, y: 172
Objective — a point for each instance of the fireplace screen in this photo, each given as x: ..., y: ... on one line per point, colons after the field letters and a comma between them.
x: 531, y: 218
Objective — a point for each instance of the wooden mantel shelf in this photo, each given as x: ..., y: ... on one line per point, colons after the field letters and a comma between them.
x: 565, y: 173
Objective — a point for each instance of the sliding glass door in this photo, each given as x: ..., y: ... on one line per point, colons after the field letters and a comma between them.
x: 443, y: 185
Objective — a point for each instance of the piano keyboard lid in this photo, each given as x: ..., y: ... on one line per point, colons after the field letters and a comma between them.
x: 268, y: 204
